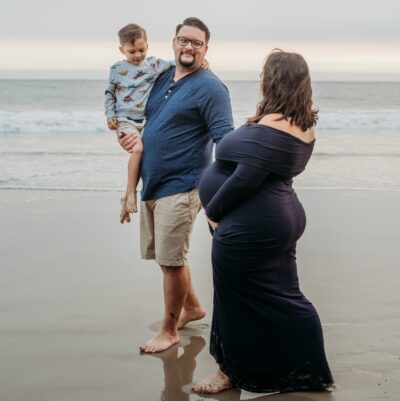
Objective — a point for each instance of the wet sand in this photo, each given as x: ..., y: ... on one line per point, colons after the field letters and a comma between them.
x: 76, y: 301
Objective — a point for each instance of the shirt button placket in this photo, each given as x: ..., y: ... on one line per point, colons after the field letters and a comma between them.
x: 168, y: 91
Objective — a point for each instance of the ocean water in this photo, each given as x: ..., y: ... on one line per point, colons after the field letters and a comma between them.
x: 53, y: 135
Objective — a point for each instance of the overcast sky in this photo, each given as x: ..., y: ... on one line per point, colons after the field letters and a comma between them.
x: 337, y: 36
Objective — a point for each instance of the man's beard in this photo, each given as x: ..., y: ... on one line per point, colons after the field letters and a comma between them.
x: 186, y: 64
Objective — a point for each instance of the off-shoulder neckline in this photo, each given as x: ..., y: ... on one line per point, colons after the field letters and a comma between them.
x: 285, y: 133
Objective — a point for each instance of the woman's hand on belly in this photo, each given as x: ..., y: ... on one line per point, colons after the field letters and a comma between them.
x: 213, y: 224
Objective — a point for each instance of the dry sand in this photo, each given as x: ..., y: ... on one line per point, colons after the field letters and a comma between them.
x: 76, y: 301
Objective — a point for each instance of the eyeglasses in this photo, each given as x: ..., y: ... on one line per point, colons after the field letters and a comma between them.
x: 196, y: 44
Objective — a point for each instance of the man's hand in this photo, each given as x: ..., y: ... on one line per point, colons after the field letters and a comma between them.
x: 127, y: 141
x: 112, y: 123
x: 205, y: 65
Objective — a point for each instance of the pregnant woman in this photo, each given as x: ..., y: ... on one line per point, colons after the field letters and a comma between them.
x: 266, y: 336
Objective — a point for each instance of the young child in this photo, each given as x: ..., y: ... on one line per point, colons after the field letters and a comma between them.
x: 128, y: 89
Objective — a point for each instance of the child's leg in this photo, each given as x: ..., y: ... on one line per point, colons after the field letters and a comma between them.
x: 124, y: 215
x: 133, y: 176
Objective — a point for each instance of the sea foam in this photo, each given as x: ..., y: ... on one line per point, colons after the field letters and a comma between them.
x: 58, y: 122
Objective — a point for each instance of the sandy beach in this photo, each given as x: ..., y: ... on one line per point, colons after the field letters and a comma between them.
x: 76, y: 300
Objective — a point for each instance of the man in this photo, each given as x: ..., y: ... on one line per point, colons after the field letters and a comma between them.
x: 188, y: 109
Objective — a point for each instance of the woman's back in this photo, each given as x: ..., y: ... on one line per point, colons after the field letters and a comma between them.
x: 273, y: 121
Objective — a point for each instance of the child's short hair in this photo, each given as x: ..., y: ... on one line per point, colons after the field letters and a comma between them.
x: 130, y: 33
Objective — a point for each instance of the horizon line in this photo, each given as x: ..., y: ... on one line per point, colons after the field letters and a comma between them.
x: 227, y: 75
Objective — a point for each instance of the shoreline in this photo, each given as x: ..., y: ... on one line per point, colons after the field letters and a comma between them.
x: 105, y: 190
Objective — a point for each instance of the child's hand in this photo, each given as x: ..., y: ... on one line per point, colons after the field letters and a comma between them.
x: 112, y: 123
x: 205, y: 65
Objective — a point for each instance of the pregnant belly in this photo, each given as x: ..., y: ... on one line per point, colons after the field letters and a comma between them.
x: 211, y: 180
x: 273, y: 216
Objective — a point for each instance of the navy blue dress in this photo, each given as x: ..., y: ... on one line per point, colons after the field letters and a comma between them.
x: 266, y: 336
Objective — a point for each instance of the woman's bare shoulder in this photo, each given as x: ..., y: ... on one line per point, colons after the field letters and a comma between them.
x: 273, y: 121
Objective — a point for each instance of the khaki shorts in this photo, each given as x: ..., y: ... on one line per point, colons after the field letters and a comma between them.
x: 127, y: 126
x: 166, y: 226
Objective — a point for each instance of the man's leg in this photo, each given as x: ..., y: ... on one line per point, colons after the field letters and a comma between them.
x: 192, y: 308
x: 166, y: 225
x: 176, y: 284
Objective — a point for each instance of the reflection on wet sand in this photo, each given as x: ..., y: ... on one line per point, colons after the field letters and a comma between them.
x: 178, y: 370
x: 178, y: 376
x: 238, y: 395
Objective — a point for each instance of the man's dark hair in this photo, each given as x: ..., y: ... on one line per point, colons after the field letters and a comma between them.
x: 196, y: 23
x: 130, y: 33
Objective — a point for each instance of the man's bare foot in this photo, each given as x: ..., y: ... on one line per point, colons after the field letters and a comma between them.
x: 131, y: 206
x: 190, y: 315
x: 124, y: 214
x: 160, y: 342
x: 213, y: 384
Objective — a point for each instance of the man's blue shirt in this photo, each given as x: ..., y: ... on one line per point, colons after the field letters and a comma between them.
x: 184, y: 118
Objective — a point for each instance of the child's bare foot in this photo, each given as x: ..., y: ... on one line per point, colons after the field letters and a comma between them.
x: 160, y: 342
x: 124, y: 215
x: 190, y: 315
x: 131, y: 206
x: 213, y: 384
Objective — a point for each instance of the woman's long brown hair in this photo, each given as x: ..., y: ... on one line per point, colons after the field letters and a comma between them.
x: 286, y: 89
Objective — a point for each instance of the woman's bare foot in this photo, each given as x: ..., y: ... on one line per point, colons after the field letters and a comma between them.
x: 160, y: 342
x: 124, y: 214
x: 190, y: 315
x: 213, y: 384
x: 131, y: 206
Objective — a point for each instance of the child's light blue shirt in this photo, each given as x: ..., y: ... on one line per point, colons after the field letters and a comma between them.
x: 129, y: 86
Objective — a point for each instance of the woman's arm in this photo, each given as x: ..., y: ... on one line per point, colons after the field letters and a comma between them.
x: 240, y: 185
